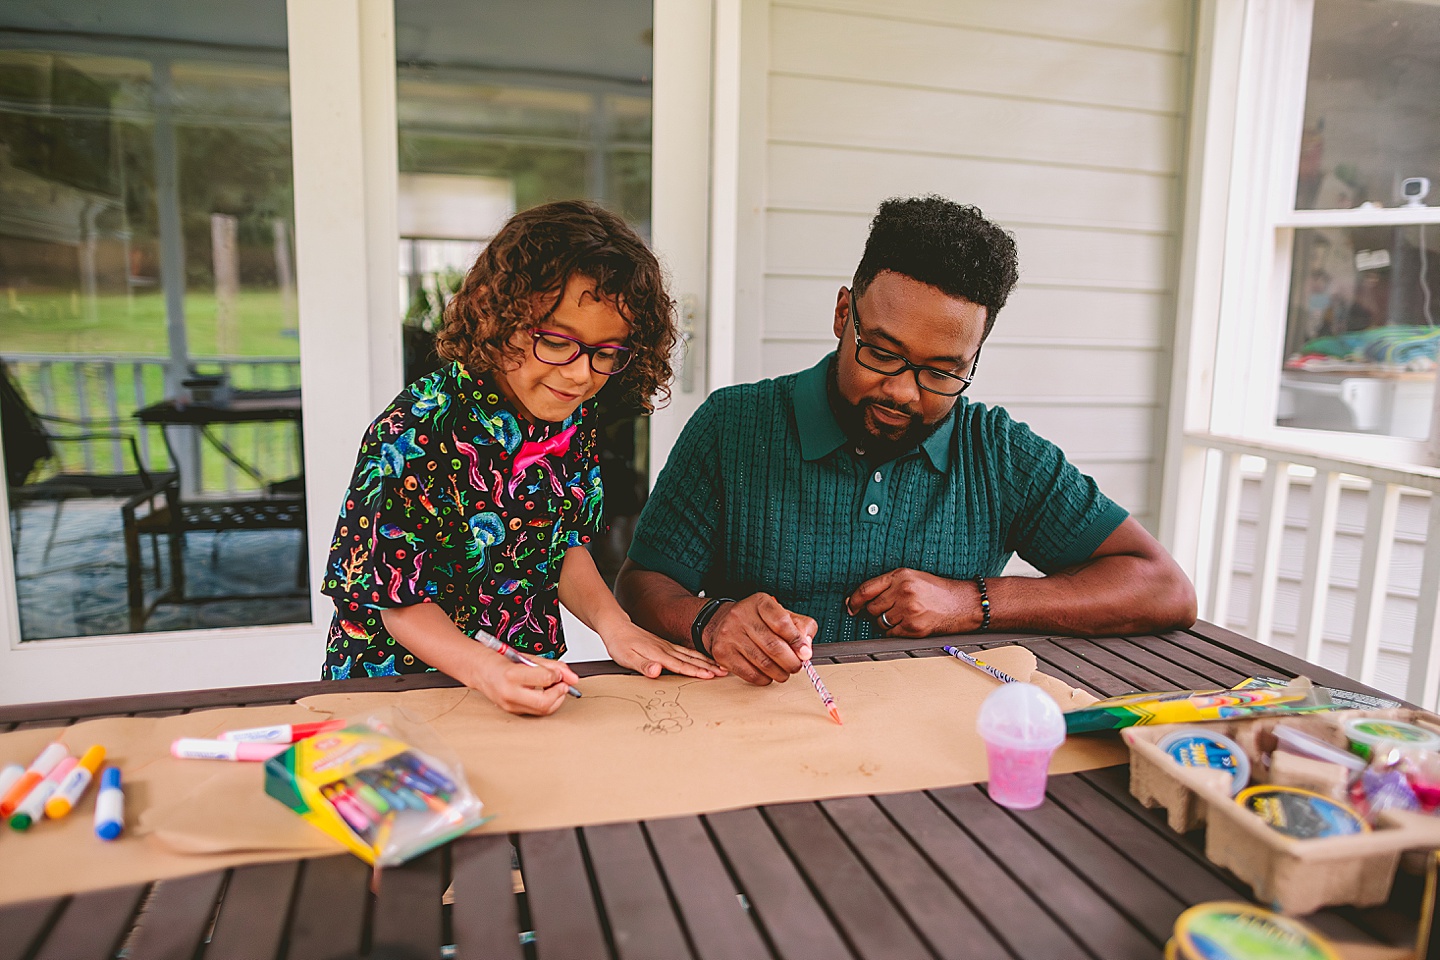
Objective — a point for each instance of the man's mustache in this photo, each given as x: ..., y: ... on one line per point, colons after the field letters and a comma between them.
x: 899, y: 411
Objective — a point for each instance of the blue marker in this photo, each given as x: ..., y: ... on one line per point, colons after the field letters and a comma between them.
x: 109, y: 805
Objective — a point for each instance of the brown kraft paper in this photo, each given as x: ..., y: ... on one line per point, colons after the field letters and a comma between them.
x: 631, y: 749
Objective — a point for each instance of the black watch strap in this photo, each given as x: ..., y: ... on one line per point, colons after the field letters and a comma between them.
x: 706, y: 614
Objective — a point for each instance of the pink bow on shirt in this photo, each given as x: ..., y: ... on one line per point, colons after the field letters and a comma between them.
x: 535, y: 451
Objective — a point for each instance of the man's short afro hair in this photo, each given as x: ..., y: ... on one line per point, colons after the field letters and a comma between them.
x: 945, y: 244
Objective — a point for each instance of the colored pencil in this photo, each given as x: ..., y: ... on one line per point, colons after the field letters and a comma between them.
x: 824, y: 693
x: 980, y: 665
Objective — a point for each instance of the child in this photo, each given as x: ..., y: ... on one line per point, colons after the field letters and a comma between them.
x: 478, y: 487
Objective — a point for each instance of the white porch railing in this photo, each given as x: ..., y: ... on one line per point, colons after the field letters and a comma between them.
x: 1363, y: 510
x: 107, y: 390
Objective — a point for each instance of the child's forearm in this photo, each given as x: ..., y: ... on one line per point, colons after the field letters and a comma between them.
x: 584, y: 593
x: 428, y: 632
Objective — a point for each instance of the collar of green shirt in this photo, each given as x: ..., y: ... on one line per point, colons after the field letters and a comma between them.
x: 821, y: 434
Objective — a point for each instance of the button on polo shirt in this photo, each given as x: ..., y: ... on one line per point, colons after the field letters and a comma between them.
x: 764, y: 492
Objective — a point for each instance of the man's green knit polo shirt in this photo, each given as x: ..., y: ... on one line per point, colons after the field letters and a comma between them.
x: 763, y: 492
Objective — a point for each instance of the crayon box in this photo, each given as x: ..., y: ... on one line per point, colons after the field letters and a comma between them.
x: 385, y: 800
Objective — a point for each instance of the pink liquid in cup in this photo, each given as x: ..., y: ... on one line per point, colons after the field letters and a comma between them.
x: 1021, y: 726
x: 1017, y: 776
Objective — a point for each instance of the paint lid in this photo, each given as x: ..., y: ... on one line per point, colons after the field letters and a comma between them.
x: 1303, y: 744
x: 1301, y: 814
x: 1195, y: 747
x: 1243, y: 931
x: 1367, y: 732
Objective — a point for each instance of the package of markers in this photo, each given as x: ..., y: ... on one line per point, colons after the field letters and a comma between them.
x: 378, y: 786
x: 1191, y: 706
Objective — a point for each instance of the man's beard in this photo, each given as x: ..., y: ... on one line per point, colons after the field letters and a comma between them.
x: 881, y: 442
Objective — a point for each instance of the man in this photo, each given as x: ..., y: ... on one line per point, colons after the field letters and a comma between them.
x: 864, y: 497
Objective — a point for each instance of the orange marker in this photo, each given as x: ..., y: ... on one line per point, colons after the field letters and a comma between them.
x: 49, y: 758
x: 73, y: 786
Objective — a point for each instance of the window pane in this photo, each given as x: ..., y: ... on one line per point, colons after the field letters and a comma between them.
x: 1361, y: 338
x: 1372, y: 116
x: 503, y: 106
x: 146, y: 266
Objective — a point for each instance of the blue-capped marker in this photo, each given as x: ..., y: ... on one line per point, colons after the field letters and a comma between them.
x: 109, y: 805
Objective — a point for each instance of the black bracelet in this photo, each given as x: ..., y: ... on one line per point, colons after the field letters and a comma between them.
x: 706, y: 614
x: 984, y: 605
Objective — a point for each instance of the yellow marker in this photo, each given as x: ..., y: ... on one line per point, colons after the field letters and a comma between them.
x: 74, y: 784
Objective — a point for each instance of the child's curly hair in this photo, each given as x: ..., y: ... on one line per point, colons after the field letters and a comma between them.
x: 511, y: 284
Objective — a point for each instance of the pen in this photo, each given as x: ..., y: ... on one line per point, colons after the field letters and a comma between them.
x: 980, y: 665
x: 824, y: 693
x: 513, y: 655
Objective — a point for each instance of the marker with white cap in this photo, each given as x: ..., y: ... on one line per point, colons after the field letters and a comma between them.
x: 192, y: 748
x: 72, y: 787
x: 33, y: 806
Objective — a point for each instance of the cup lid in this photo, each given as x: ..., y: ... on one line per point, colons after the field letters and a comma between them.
x: 1021, y: 714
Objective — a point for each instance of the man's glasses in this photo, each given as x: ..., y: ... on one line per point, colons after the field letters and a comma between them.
x: 890, y: 364
x: 557, y: 350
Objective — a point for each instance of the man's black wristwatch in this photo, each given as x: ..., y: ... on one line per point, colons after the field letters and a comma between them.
x: 706, y: 614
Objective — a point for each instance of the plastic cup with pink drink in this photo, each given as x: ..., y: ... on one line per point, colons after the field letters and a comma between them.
x: 1022, y: 726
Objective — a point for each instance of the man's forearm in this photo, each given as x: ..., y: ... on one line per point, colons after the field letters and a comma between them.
x: 657, y: 602
x: 1114, y: 595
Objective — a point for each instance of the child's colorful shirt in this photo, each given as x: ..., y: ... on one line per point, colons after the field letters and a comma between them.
x: 458, y: 500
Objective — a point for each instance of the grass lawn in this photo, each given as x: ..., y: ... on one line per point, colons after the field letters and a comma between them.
x: 56, y: 323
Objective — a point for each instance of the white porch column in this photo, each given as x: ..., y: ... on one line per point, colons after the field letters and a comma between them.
x: 346, y: 240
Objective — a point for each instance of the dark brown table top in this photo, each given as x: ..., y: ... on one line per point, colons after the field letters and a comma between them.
x: 935, y: 873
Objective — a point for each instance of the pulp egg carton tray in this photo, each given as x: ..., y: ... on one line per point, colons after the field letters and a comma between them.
x: 1296, y: 876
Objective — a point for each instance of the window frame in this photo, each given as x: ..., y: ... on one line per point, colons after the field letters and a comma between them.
x: 1269, y: 108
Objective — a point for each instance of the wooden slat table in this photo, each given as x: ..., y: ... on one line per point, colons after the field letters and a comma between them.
x: 936, y: 873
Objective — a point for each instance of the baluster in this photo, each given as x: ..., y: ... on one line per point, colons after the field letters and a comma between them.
x: 227, y: 436
x: 82, y: 400
x: 1370, y: 591
x: 118, y: 452
x: 1319, y: 552
x: 1423, y: 685
x: 46, y: 378
x: 1226, y: 512
x: 137, y: 387
x: 1269, y: 533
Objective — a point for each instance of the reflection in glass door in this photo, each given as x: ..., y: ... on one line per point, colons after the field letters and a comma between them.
x: 504, y: 105
x: 148, y: 325
x: 1361, y: 339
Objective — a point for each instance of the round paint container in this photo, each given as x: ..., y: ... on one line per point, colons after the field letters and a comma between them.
x: 1301, y: 814
x: 1243, y: 931
x: 1196, y: 747
x: 1366, y: 732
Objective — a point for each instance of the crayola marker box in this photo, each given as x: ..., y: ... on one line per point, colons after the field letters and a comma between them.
x: 376, y: 794
x: 1190, y: 706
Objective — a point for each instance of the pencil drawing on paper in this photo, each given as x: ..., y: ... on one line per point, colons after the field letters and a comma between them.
x: 663, y: 712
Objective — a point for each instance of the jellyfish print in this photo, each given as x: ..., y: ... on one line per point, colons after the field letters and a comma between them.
x: 486, y: 530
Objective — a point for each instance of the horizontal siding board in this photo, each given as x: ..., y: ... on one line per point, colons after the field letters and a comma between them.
x: 856, y: 180
x: 847, y: 113
x: 803, y: 307
x: 1121, y: 376
x: 878, y: 49
x: 1107, y: 433
x: 1144, y: 24
x: 824, y: 245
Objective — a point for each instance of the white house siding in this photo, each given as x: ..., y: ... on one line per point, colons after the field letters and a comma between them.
x: 1064, y: 122
x: 1403, y: 584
